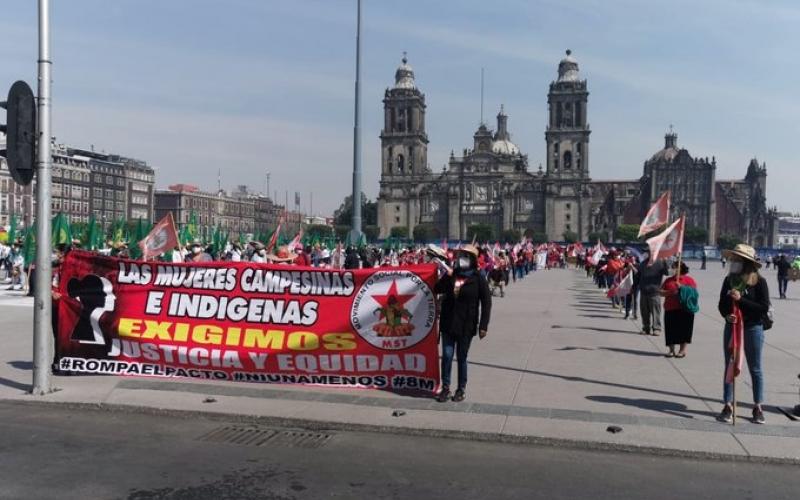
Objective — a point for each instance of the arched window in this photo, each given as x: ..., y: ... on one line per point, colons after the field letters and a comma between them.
x: 567, y: 160
x: 401, y: 164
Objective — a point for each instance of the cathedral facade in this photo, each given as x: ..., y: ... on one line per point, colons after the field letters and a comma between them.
x: 491, y: 182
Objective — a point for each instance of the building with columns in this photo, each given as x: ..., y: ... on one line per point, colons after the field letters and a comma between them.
x: 492, y: 183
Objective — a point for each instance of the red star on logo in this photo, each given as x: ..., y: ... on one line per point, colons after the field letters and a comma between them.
x: 383, y: 300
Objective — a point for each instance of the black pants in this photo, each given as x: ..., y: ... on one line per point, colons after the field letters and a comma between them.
x: 783, y: 284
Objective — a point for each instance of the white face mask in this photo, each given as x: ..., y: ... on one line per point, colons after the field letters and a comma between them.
x: 196, y: 250
x: 463, y: 262
x: 736, y: 267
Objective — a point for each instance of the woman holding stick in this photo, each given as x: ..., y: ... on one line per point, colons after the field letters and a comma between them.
x: 744, y: 297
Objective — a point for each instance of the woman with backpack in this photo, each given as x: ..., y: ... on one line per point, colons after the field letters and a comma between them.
x: 680, y: 307
x: 745, y: 297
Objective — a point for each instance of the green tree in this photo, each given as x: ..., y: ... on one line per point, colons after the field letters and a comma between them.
x: 696, y: 235
x: 317, y: 232
x: 570, y: 236
x: 596, y: 236
x: 425, y: 233
x: 480, y: 232
x: 626, y: 233
x: 369, y: 212
x: 539, y: 237
x: 371, y: 232
x: 510, y: 236
x: 341, y: 231
x: 399, y: 232
x: 728, y: 241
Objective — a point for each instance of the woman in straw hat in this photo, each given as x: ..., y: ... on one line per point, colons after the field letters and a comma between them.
x: 466, y: 307
x: 746, y: 288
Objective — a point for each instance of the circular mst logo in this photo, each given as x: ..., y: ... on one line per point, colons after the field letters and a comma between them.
x: 393, y: 310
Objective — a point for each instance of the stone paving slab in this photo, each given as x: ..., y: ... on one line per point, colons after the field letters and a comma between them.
x: 559, y: 363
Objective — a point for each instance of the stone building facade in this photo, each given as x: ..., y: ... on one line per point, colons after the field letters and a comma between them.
x: 491, y: 182
x: 84, y: 183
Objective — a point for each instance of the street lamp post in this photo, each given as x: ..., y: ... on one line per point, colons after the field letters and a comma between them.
x: 355, y: 232
x: 42, y: 311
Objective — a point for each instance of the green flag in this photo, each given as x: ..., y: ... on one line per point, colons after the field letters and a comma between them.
x: 191, y: 227
x: 29, y: 246
x: 62, y: 232
x: 92, y: 239
x: 138, y: 235
x: 12, y: 230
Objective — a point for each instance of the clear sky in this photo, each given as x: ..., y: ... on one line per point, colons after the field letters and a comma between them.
x: 256, y: 86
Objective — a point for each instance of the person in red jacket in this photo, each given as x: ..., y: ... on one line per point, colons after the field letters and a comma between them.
x: 678, y: 322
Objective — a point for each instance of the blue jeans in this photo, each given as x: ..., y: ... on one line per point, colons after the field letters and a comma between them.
x: 753, y: 345
x: 458, y: 346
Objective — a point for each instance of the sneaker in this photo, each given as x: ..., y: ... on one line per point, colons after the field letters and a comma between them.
x: 726, y: 415
x: 459, y: 395
x: 656, y: 333
x: 758, y: 416
x: 444, y: 395
x: 17, y: 287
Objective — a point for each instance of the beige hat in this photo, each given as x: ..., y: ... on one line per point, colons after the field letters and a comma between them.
x: 744, y: 252
x: 282, y: 255
x: 470, y: 249
x: 435, y: 251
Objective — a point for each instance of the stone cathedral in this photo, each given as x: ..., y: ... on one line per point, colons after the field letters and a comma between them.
x: 491, y: 182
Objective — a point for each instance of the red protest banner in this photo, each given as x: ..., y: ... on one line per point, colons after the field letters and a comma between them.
x: 248, y: 322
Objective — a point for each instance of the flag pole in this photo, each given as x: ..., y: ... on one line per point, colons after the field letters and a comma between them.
x: 734, y: 396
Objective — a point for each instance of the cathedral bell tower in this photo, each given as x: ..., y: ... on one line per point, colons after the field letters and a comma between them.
x: 567, y: 137
x: 404, y: 152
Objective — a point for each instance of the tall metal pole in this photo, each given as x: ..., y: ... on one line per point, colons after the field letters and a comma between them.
x: 355, y: 233
x: 42, y: 311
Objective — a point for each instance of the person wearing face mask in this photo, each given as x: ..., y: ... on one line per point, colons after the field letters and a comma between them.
x: 259, y: 252
x: 748, y: 290
x: 198, y: 255
x: 465, y: 310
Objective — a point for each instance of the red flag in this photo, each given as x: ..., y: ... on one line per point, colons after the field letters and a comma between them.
x: 296, y: 241
x: 161, y: 239
x: 657, y: 216
x: 622, y: 288
x: 736, y: 346
x: 273, y: 240
x: 668, y: 243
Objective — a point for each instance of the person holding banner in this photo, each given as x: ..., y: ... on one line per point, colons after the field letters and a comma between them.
x: 743, y: 302
x: 678, y: 321
x: 465, y: 311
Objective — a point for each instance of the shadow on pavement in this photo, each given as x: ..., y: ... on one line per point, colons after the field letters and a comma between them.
x: 599, y: 382
x: 21, y: 365
x: 14, y: 384
x: 668, y: 407
x: 594, y: 329
x: 634, y: 352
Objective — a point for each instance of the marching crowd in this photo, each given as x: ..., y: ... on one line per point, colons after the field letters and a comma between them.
x: 662, y: 295
x: 667, y: 299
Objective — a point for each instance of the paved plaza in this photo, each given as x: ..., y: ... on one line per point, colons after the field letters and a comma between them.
x: 559, y: 365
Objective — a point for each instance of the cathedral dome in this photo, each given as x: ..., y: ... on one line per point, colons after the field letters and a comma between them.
x: 505, y: 147
x: 568, y: 69
x: 670, y: 150
x: 404, y: 76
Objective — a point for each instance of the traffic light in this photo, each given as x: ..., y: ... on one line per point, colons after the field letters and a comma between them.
x: 20, y: 132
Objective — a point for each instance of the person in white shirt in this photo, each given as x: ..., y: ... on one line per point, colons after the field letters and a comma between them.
x: 260, y: 253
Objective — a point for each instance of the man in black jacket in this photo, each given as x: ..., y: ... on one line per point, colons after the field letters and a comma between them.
x: 783, y: 266
x: 466, y: 308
